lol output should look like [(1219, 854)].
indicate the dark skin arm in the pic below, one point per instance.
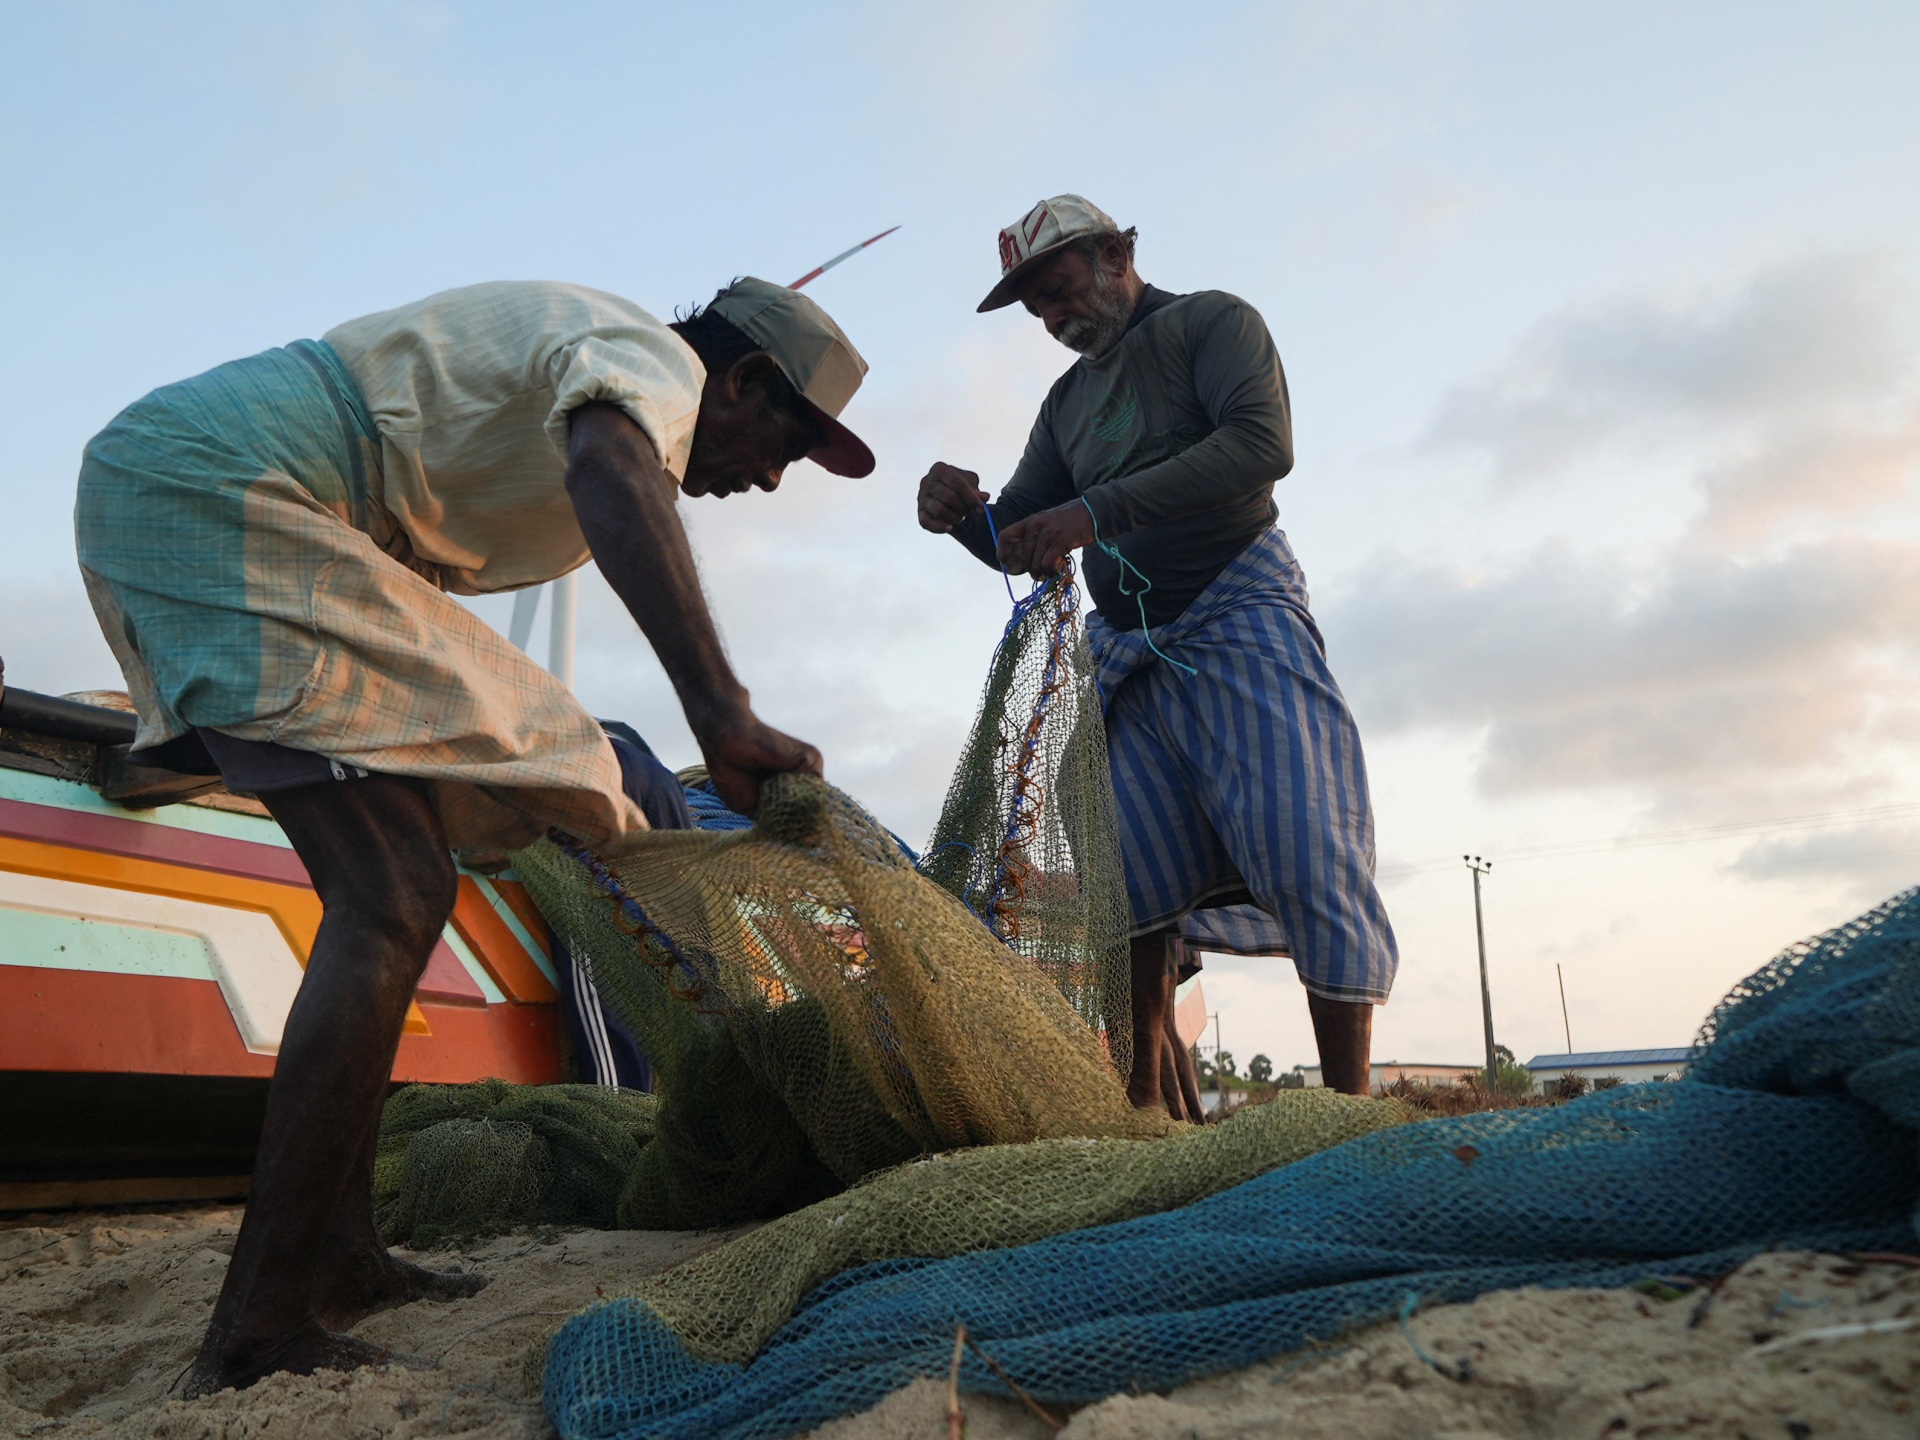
[(624, 499), (1037, 545)]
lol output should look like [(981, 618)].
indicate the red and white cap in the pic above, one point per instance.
[(1037, 234)]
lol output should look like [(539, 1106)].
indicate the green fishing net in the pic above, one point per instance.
[(1029, 836), (457, 1162), (816, 1004), (725, 1304)]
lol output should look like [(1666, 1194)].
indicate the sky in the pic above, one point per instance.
[(1601, 324)]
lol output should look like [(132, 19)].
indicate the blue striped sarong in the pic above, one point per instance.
[(1244, 782)]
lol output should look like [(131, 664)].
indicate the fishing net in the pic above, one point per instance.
[(1029, 836), (457, 1162), (726, 1304), (816, 1006), (1794, 1130)]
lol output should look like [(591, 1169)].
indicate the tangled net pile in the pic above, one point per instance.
[(816, 1007), (1794, 1130)]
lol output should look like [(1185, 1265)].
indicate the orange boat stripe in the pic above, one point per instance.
[(521, 903), (498, 948)]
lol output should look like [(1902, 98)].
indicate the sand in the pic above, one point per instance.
[(99, 1312)]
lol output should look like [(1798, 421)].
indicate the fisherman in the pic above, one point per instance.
[(1245, 823), (270, 549)]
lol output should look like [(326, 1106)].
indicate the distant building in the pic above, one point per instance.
[(1631, 1067), (1386, 1072)]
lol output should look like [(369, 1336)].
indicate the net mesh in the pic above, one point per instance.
[(457, 1162), (816, 1005), (1029, 836), (1794, 1130), (725, 1305)]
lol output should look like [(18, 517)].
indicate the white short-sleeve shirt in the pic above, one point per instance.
[(471, 390)]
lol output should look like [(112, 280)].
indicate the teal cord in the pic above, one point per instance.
[(1139, 596)]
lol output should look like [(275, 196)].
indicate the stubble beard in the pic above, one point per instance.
[(1095, 334)]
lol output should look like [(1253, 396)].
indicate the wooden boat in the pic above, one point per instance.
[(152, 933)]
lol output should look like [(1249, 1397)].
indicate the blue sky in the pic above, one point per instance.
[(1602, 326)]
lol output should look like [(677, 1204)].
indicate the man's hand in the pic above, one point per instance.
[(947, 496), (1040, 544), (744, 753)]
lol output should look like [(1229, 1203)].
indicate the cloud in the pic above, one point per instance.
[(1798, 390), (1870, 862), (1755, 655), (1586, 670)]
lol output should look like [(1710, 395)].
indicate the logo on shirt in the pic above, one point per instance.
[(1117, 421)]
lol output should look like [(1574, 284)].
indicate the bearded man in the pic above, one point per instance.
[(1245, 822), (269, 549)]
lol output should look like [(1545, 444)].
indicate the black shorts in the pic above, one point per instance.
[(249, 767)]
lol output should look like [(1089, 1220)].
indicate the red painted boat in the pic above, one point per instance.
[(152, 933)]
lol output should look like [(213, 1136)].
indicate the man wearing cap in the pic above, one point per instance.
[(270, 549), (1245, 822)]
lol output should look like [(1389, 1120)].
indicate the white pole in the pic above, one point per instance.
[(566, 613), (525, 606)]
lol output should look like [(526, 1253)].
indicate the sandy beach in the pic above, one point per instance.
[(99, 1313)]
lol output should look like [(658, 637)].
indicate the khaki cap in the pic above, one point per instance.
[(1037, 234), (812, 352)]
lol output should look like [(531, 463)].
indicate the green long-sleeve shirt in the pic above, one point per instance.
[(1175, 437)]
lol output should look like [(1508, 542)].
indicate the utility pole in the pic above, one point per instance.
[(1219, 1071), (1565, 1023), (1481, 867)]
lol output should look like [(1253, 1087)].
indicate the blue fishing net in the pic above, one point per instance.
[(1795, 1130)]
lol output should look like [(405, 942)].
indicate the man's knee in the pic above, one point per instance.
[(377, 856), (418, 901)]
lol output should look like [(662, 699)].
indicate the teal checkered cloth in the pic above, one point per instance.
[(249, 580)]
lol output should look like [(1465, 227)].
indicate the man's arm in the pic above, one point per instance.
[(952, 502), (625, 502)]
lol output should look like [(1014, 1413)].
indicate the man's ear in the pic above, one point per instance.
[(750, 374)]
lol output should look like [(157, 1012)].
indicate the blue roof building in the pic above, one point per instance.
[(1627, 1066)]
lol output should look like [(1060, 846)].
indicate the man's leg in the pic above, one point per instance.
[(1344, 1032), (357, 1275), (378, 858), (1152, 957), (1179, 1066)]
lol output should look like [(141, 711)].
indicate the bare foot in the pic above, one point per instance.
[(235, 1366), (356, 1286)]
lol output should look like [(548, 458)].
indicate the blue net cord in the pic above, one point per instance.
[(1023, 815), (1139, 597), (993, 530)]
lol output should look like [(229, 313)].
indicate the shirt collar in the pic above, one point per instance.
[(1151, 299)]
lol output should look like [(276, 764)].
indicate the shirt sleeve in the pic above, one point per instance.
[(1040, 481), (1239, 382), (655, 379)]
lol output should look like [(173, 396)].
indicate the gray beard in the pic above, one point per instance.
[(1099, 332)]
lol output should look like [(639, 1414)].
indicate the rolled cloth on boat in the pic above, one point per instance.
[(249, 580)]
